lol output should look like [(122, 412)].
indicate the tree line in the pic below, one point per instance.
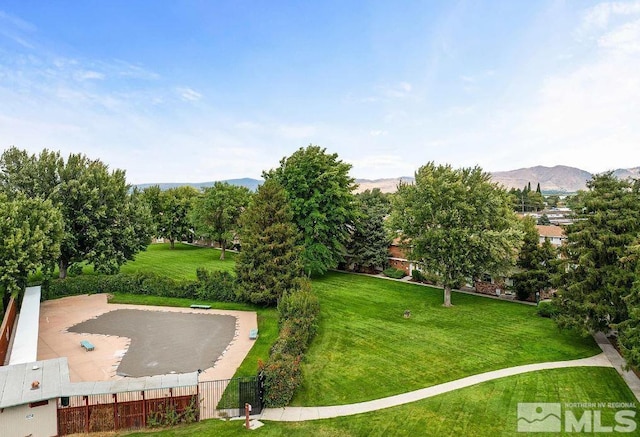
[(305, 220)]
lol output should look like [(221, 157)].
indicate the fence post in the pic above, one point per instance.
[(246, 414), (86, 414), (144, 411), (115, 412)]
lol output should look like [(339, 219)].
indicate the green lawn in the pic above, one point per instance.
[(179, 263), (365, 349), (488, 409)]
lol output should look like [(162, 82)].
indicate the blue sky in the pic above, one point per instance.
[(192, 91)]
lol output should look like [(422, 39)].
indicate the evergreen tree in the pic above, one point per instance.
[(594, 290), (270, 262), (369, 242), (536, 263)]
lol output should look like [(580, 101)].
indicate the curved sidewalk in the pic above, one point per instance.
[(295, 414)]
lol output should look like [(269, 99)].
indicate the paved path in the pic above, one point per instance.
[(619, 364), (293, 414)]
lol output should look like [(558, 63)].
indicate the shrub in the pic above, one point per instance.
[(298, 313), (417, 275), (302, 307), (281, 378), (548, 308), (138, 283), (72, 286), (216, 285), (394, 273)]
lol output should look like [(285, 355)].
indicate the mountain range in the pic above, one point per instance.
[(558, 179)]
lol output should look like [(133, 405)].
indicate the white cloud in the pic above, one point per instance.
[(88, 75), (396, 91), (14, 28), (372, 164), (599, 16), (588, 116), (625, 38), (458, 111), (377, 133), (188, 95), (16, 22), (296, 131)]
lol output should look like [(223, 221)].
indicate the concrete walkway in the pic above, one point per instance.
[(619, 364), (293, 414)]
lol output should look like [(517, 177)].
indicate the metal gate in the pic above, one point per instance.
[(227, 397)]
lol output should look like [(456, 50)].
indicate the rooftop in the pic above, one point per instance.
[(53, 376)]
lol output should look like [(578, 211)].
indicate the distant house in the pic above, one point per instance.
[(555, 234), (398, 258), (557, 216)]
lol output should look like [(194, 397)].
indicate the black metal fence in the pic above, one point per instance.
[(227, 397)]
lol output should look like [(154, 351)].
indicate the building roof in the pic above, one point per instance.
[(131, 384), (15, 381), (53, 376), (551, 231)]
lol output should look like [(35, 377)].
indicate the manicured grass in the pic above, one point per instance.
[(179, 263), (485, 410), (365, 349), (267, 323)]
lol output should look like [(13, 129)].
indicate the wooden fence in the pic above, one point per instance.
[(8, 323), (127, 411)]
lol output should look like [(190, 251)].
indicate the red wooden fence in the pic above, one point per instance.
[(8, 323)]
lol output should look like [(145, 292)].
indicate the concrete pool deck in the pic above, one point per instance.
[(58, 315)]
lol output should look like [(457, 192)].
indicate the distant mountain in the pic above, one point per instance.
[(623, 173), (557, 179), (385, 185), (251, 184), (560, 178)]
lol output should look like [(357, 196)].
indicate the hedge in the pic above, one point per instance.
[(216, 286), (394, 273), (298, 314)]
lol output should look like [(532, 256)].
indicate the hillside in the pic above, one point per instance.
[(251, 184), (557, 179)]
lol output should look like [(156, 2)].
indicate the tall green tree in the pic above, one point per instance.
[(526, 200), (369, 241), (216, 213), (153, 198), (629, 329), (536, 262), (270, 263), (552, 200), (30, 235), (171, 211), (319, 190), (104, 224), (457, 224), (598, 277)]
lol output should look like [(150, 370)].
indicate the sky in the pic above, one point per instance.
[(195, 91)]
